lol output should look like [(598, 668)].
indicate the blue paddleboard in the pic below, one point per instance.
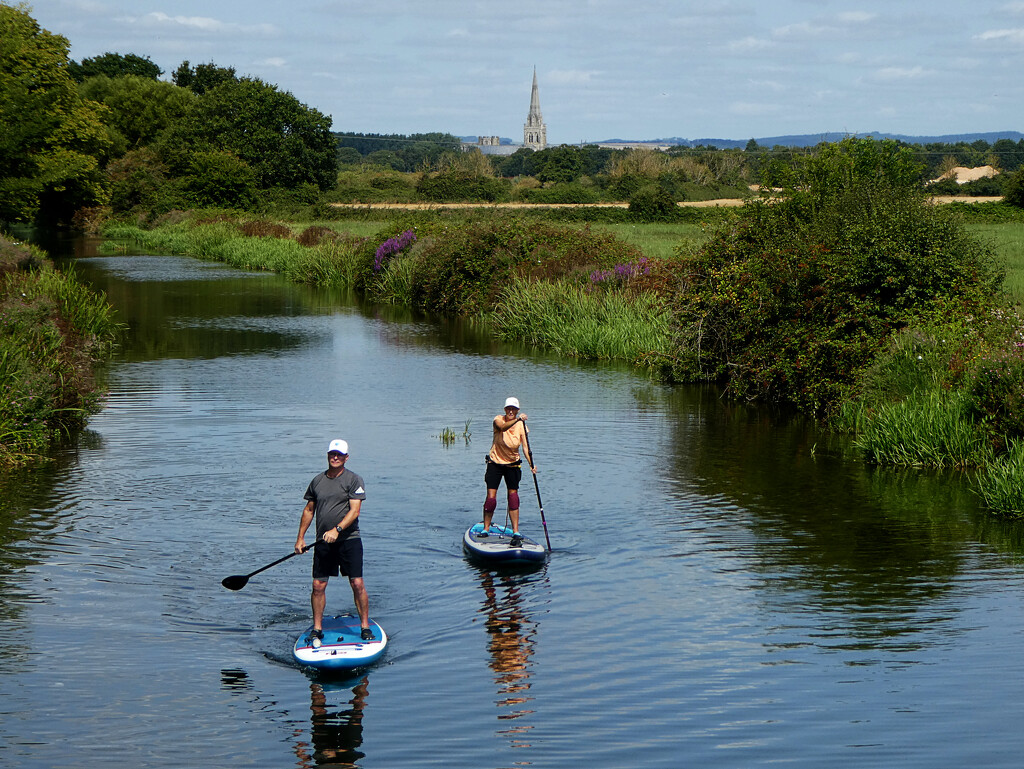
[(496, 547), (342, 647)]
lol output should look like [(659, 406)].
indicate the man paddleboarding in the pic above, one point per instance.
[(504, 462), (334, 498)]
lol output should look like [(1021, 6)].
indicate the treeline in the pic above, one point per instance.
[(84, 141), (106, 135)]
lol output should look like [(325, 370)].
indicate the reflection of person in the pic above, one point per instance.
[(504, 462), (335, 737), (335, 498), (511, 645)]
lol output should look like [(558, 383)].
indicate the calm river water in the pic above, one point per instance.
[(728, 588)]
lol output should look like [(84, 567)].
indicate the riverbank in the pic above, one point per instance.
[(584, 292), (54, 334)]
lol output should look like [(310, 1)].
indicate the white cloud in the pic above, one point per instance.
[(902, 73), (274, 61), (201, 23), (857, 17), (748, 44), (1009, 35)]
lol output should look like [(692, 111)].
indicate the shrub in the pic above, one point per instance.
[(797, 296), (458, 186), (1013, 189), (997, 396), (653, 203)]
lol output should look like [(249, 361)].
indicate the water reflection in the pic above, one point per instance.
[(512, 632), (336, 731)]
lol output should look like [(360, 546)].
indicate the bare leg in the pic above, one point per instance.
[(318, 600), (514, 517), (362, 600)]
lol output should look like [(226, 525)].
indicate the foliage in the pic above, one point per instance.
[(217, 178), (138, 108), (928, 429), (453, 186), (1013, 190), (1000, 483), (52, 139), (791, 301), (997, 394), (53, 332), (202, 77), (114, 65), (652, 203), (572, 320), (284, 142), (572, 192)]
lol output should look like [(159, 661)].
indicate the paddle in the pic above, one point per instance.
[(238, 581), (529, 453)]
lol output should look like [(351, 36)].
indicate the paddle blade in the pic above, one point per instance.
[(237, 582)]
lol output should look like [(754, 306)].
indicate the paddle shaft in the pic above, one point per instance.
[(239, 581), (533, 471)]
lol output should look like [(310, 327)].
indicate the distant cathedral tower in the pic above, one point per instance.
[(535, 133)]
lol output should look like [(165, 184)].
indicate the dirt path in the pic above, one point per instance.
[(717, 203)]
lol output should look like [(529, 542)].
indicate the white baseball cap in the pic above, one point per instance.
[(338, 445), (513, 402)]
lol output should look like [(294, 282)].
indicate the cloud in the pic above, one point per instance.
[(749, 44), (902, 73), (200, 23), (274, 61), (857, 17), (1008, 35)]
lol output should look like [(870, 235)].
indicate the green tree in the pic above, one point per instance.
[(283, 141), (115, 65), (51, 139), (202, 77), (138, 108), (559, 164)]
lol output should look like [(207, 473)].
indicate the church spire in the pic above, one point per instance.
[(535, 133)]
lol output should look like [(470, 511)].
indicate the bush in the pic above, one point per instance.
[(1013, 189), (997, 397), (793, 300), (457, 187), (653, 204)]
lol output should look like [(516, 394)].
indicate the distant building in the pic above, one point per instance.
[(535, 132)]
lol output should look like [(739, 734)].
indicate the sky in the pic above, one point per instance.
[(640, 70)]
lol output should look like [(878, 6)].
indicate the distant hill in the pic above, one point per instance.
[(810, 140)]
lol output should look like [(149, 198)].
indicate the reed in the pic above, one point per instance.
[(579, 322), (1000, 483), (53, 332), (933, 428)]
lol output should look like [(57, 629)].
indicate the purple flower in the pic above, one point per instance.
[(391, 248)]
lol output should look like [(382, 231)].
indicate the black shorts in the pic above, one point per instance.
[(512, 474), (344, 555)]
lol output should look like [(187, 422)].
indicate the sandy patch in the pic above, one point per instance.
[(964, 175)]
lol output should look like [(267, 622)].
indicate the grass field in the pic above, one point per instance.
[(1008, 242)]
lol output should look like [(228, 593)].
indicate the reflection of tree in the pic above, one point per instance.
[(335, 735), (855, 549), (511, 645)]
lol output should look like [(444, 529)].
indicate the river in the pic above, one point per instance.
[(728, 587)]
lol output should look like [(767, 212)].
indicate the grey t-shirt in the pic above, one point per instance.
[(331, 497)]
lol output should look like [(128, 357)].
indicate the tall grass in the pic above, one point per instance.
[(1000, 483), (928, 429), (574, 321), (53, 332), (330, 263)]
